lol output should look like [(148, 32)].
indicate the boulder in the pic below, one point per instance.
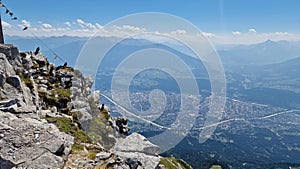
[(136, 146), (16, 106), (103, 156), (15, 81), (84, 116), (76, 104), (46, 160), (32, 143), (5, 66), (40, 59), (141, 143), (10, 92), (95, 96), (10, 51), (146, 161)]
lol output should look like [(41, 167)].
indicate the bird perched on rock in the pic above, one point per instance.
[(104, 109), (37, 50), (65, 65)]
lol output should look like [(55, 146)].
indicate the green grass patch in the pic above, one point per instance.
[(65, 125), (92, 155), (172, 163), (77, 147), (167, 163), (64, 94), (50, 100), (58, 97)]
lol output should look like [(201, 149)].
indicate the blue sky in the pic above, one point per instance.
[(217, 17)]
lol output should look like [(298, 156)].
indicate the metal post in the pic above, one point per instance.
[(1, 32)]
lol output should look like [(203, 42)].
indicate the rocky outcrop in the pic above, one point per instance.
[(51, 118), (136, 146), (5, 67), (9, 50), (28, 142)]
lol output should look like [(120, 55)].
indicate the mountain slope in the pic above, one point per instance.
[(267, 52)]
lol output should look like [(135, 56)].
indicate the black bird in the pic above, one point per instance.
[(65, 64), (7, 11), (14, 18), (37, 50), (11, 14), (102, 107), (25, 28)]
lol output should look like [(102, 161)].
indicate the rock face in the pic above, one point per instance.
[(136, 146), (31, 143), (26, 141), (10, 51)]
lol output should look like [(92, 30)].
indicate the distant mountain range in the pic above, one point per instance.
[(267, 52)]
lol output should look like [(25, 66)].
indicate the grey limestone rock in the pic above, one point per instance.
[(32, 143), (15, 81), (136, 146), (5, 67), (40, 59), (10, 51)]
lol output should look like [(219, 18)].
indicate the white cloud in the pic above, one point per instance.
[(25, 23), (122, 30), (63, 29), (6, 25), (236, 33), (46, 26), (133, 28), (68, 24), (80, 21), (282, 33), (98, 26), (87, 25), (179, 32), (252, 31), (208, 34)]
